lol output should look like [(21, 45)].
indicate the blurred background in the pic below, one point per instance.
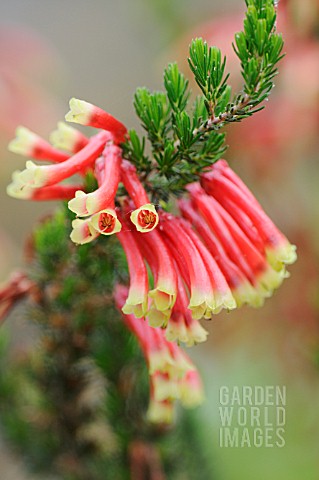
[(101, 51)]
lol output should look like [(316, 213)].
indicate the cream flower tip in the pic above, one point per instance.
[(64, 136), (197, 334), (78, 204), (80, 111), (160, 412), (31, 176), (192, 397), (226, 301), (34, 175), (284, 254), (82, 232), (165, 388), (176, 332), (246, 294), (163, 300), (24, 141), (145, 218), (160, 361), (157, 318), (139, 310), (136, 304), (17, 190)]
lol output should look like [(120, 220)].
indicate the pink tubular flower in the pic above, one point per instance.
[(54, 192), (181, 327), (242, 290), (222, 292), (222, 182), (137, 300), (145, 217), (252, 263), (85, 113), (163, 295), (202, 204), (202, 300), (45, 175), (172, 374), (30, 144), (85, 204)]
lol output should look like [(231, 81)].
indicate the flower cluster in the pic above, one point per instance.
[(220, 252), (172, 374)]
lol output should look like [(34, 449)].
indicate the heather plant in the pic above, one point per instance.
[(157, 234)]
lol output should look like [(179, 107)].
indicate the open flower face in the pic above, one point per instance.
[(106, 222), (145, 218)]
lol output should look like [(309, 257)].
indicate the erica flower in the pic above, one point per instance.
[(172, 374), (106, 222), (82, 231), (137, 299), (223, 183), (181, 326), (17, 189), (85, 204), (145, 217), (29, 144), (220, 252), (87, 114)]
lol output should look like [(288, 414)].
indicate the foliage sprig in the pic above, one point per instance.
[(185, 140)]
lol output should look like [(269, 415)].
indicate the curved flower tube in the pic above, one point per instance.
[(29, 144), (45, 175), (145, 217), (137, 299), (86, 113), (279, 251), (85, 204)]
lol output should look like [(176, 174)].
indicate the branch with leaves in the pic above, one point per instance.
[(185, 139)]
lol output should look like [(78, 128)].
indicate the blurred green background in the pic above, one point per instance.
[(101, 51)]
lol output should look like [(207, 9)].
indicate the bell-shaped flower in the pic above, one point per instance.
[(83, 232), (105, 222), (181, 327), (145, 217), (137, 299), (86, 113), (29, 144)]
